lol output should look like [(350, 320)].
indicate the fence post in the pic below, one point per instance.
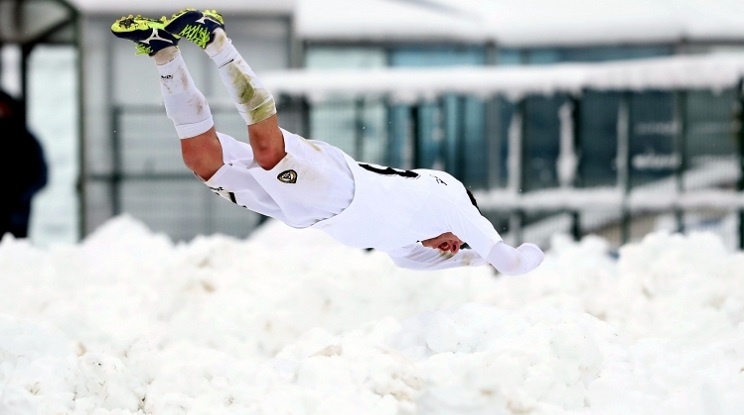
[(575, 103), (740, 183), (359, 128), (680, 143), (517, 138), (624, 123), (116, 161), (493, 143), (461, 137), (415, 113), (305, 118)]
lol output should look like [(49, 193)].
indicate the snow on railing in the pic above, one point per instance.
[(714, 72)]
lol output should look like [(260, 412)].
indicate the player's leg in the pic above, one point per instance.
[(303, 182), (253, 101), (185, 105)]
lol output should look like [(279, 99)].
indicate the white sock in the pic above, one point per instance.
[(253, 101), (185, 105)]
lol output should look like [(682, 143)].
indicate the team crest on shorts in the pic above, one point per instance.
[(287, 176)]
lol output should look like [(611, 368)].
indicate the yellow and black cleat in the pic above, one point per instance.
[(149, 35), (196, 26)]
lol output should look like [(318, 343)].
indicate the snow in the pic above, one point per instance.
[(506, 23), (290, 322), (161, 6), (516, 23), (380, 20), (715, 71), (525, 23), (703, 190)]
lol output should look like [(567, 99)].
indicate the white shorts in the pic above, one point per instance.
[(311, 183)]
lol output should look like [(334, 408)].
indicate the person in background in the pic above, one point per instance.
[(24, 168), (421, 218)]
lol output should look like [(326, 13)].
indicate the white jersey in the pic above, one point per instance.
[(393, 210), (311, 183), (366, 206)]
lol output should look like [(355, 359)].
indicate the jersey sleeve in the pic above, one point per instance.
[(478, 232), (466, 221), (416, 256)]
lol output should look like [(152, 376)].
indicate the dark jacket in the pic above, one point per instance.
[(23, 167)]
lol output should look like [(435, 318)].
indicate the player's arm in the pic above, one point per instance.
[(418, 257), (478, 232), (515, 261)]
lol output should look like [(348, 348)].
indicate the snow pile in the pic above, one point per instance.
[(289, 322)]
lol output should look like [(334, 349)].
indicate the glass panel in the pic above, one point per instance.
[(600, 54), (541, 56), (597, 131), (451, 131), (334, 123), (710, 141), (431, 148), (357, 128), (474, 161), (437, 56), (399, 149), (506, 111), (652, 136), (344, 58), (541, 142)]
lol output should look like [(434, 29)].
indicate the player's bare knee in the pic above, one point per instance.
[(267, 142), (191, 160), (198, 165), (268, 157), (203, 157)]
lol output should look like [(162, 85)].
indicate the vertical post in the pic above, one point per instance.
[(680, 144), (116, 161), (305, 119), (296, 50), (397, 150), (740, 183), (25, 55), (624, 123), (110, 102), (82, 184), (516, 162), (448, 125), (389, 132), (493, 143), (461, 137), (359, 128), (492, 126), (574, 160), (415, 133)]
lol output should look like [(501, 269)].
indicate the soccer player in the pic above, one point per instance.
[(420, 218)]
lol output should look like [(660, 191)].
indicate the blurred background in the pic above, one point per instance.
[(607, 117)]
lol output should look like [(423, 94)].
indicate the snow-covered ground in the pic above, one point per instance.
[(290, 322)]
